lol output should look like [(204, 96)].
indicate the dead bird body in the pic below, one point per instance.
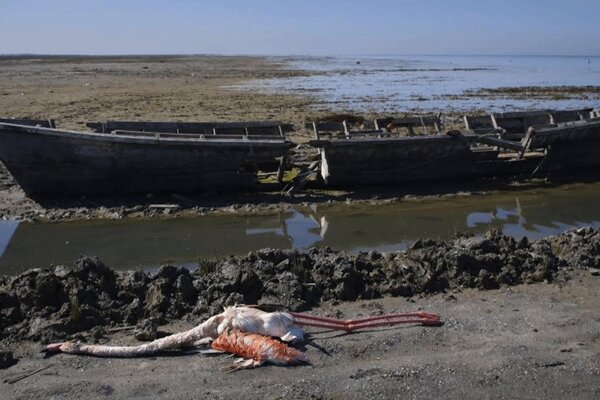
[(255, 350), (249, 333), (245, 319)]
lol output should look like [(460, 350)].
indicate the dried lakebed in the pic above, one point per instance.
[(83, 300)]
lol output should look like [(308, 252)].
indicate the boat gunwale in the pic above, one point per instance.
[(541, 129), (135, 139), (383, 141)]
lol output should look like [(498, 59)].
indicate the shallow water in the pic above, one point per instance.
[(149, 243), (430, 83)]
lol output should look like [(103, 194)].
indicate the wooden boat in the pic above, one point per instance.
[(46, 161), (363, 157)]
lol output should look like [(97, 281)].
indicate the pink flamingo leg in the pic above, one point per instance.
[(350, 325)]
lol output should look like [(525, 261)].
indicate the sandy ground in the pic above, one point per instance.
[(528, 341), (76, 90)]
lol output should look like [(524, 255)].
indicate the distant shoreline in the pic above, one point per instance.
[(186, 55)]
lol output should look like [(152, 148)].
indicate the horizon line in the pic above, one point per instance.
[(289, 55)]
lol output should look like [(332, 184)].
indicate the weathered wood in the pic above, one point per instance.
[(281, 169), (331, 129), (526, 143), (494, 141), (326, 126), (367, 133), (399, 159), (519, 122), (353, 162), (568, 133), (561, 116), (270, 127), (479, 123), (524, 114), (265, 130), (64, 163), (315, 130), (423, 121), (44, 123), (230, 131), (217, 136)]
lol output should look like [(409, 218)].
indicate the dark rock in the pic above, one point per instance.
[(7, 359), (146, 330)]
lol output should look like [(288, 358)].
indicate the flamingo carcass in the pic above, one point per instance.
[(286, 326)]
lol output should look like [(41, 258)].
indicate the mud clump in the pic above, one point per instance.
[(54, 304), (7, 359)]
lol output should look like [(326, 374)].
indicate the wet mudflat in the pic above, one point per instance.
[(147, 244), (388, 83)]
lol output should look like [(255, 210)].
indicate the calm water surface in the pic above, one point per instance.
[(431, 83), (149, 243)]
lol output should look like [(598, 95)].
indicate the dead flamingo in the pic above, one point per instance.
[(249, 320), (254, 350), (245, 319)]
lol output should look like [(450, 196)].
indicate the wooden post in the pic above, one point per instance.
[(280, 171), (493, 116), (346, 131), (425, 130), (316, 130), (527, 141)]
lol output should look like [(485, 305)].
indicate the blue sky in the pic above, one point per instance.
[(300, 27)]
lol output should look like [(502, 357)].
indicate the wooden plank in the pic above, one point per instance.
[(44, 123), (184, 127), (372, 133), (230, 131), (240, 136), (411, 122), (515, 123), (561, 116), (315, 130), (494, 141), (527, 141), (346, 130), (328, 126), (281, 169), (265, 130), (478, 123), (524, 114)]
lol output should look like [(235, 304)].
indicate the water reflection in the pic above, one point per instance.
[(127, 244)]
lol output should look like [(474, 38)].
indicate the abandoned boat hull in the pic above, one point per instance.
[(379, 161), (412, 159), (51, 162), (569, 145)]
